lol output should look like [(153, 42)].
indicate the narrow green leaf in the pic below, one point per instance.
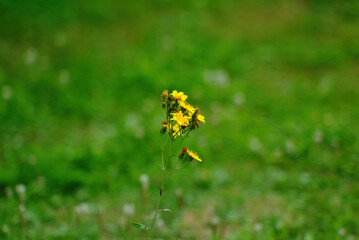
[(165, 210), (140, 226)]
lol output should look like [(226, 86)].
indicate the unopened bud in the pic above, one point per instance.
[(164, 95), (164, 127), (183, 152)]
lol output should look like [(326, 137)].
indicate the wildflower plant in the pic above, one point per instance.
[(181, 119)]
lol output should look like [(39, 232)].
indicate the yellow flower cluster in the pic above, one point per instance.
[(181, 117)]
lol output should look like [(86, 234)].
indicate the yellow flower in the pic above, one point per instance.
[(179, 96), (180, 119), (188, 107), (176, 131), (194, 155), (201, 118)]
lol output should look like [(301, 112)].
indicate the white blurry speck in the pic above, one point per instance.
[(144, 179), (60, 39), (160, 223), (133, 124), (318, 136), (129, 209), (82, 208), (5, 228), (304, 178), (342, 232), (308, 236), (290, 146), (20, 189), (64, 77), (325, 84), (22, 208), (216, 78), (257, 227), (6, 92), (255, 145), (147, 105), (277, 153), (279, 225), (238, 99), (31, 56), (214, 221), (179, 192)]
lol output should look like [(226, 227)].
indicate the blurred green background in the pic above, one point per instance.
[(80, 117)]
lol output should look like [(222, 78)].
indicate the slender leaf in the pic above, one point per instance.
[(140, 226)]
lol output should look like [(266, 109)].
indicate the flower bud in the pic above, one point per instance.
[(164, 127), (165, 95), (183, 152)]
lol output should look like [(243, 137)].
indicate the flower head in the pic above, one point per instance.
[(176, 131), (188, 107), (181, 119), (201, 118), (193, 155), (179, 96)]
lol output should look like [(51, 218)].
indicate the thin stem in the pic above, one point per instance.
[(161, 190)]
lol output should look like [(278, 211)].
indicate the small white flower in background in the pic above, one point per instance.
[(179, 192), (304, 178), (279, 225), (160, 223), (238, 99), (257, 227), (31, 56), (144, 180), (5, 228), (342, 232), (22, 208), (64, 77), (6, 92), (129, 209), (216, 77), (318, 136), (20, 189), (133, 123), (277, 153), (214, 221), (290, 146), (255, 145), (82, 208)]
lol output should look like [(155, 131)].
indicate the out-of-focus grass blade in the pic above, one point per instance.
[(140, 226)]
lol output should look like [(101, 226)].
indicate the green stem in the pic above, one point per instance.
[(161, 191)]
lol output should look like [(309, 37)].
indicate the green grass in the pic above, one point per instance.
[(80, 117)]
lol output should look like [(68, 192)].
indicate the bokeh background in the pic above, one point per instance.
[(80, 116)]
